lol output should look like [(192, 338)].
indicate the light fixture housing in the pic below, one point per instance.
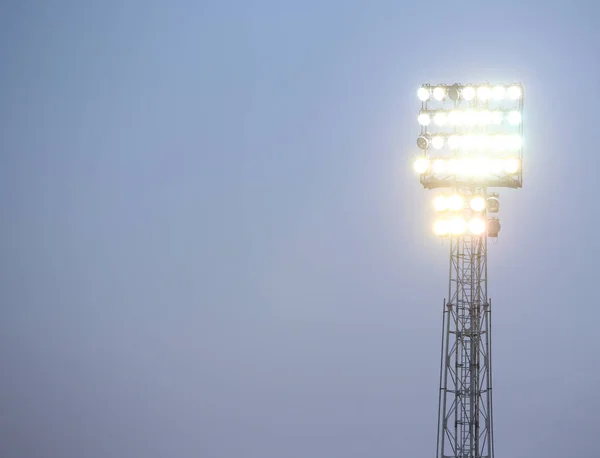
[(493, 227), (493, 204), (424, 140)]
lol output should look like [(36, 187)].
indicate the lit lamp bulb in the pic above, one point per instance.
[(421, 165), (484, 93), (498, 93), (496, 117), (440, 119), (514, 142), (455, 118), (514, 92), (437, 142), (423, 94), (470, 117), (424, 119), (511, 166), (455, 203), (477, 226), (485, 118), (454, 142), (477, 204), (458, 226), (439, 166), (439, 93), (468, 93), (440, 203)]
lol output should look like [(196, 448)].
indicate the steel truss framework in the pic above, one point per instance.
[(465, 425)]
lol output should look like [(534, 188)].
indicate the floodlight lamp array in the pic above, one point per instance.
[(464, 215), (470, 92), (498, 143), (458, 225), (478, 137)]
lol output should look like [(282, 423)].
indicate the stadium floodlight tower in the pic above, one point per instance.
[(470, 141)]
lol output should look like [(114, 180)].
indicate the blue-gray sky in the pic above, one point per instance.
[(213, 244)]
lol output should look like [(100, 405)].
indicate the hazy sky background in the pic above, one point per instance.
[(213, 244)]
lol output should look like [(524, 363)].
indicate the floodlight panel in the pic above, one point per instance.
[(475, 132)]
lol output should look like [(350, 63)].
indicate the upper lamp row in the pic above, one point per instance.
[(468, 93)]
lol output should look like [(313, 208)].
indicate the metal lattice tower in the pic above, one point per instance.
[(465, 426), (471, 140)]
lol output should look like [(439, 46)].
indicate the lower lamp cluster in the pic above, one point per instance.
[(460, 215)]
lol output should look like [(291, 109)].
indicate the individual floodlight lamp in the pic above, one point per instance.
[(493, 204), (437, 142), (493, 227), (440, 119), (468, 93), (477, 203), (496, 117), (511, 166), (455, 203), (515, 92), (454, 92), (424, 140), (440, 203), (423, 94), (439, 93), (454, 142), (477, 226), (424, 119), (484, 93), (498, 93), (514, 118), (421, 165), (458, 226)]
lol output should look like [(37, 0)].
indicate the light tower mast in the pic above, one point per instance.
[(477, 145)]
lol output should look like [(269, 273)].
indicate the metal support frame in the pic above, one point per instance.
[(465, 425)]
